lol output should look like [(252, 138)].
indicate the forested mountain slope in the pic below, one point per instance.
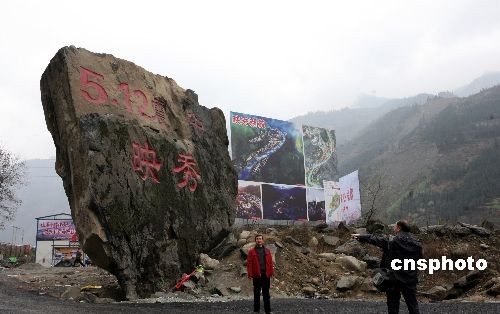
[(439, 160)]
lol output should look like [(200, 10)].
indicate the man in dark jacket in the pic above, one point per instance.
[(260, 268), (402, 246)]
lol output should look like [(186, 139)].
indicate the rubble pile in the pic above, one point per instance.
[(316, 262)]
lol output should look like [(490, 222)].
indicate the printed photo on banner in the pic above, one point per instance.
[(267, 150), (284, 202), (320, 156), (249, 200), (332, 201), (316, 205), (349, 197)]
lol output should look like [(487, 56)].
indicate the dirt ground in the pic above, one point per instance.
[(294, 270)]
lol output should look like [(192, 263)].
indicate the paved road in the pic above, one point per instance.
[(14, 300)]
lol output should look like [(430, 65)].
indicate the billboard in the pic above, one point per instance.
[(319, 155), (343, 199), (281, 168), (316, 205), (54, 229), (267, 150), (332, 201), (249, 200), (350, 197), (284, 202)]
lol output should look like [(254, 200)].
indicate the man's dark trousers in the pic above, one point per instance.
[(263, 284), (410, 296)]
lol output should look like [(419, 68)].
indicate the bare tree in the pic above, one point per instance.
[(375, 190), (11, 177)]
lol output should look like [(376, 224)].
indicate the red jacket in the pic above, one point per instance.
[(253, 265)]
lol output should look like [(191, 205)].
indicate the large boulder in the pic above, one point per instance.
[(208, 262), (465, 283), (146, 169), (353, 248), (374, 226), (436, 293), (347, 282), (331, 240), (351, 263), (477, 230), (225, 248), (327, 256), (439, 230)]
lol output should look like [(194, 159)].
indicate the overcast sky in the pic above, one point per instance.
[(276, 59)]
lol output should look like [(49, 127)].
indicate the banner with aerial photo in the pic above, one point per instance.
[(249, 200), (332, 202), (320, 156), (316, 205), (267, 150), (283, 202)]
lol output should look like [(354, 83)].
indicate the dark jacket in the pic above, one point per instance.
[(402, 246), (253, 265)]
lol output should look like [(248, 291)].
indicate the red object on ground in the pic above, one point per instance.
[(186, 277)]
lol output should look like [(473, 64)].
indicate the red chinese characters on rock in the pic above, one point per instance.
[(90, 86), (251, 122), (190, 173), (144, 161)]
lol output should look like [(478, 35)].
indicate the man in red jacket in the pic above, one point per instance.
[(260, 268)]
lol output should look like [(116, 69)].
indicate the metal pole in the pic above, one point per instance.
[(12, 237), (15, 234), (11, 241), (36, 239)]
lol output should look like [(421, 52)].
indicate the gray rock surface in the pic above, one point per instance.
[(367, 285), (436, 292), (313, 242), (347, 282), (331, 240), (371, 261), (244, 234), (208, 262), (477, 230), (292, 240), (439, 230), (351, 263), (309, 291), (327, 256), (352, 248), (146, 169), (460, 231)]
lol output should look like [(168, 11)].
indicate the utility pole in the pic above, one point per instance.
[(15, 234), (14, 229)]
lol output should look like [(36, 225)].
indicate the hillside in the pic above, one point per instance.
[(348, 122), (439, 160), (486, 80)]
